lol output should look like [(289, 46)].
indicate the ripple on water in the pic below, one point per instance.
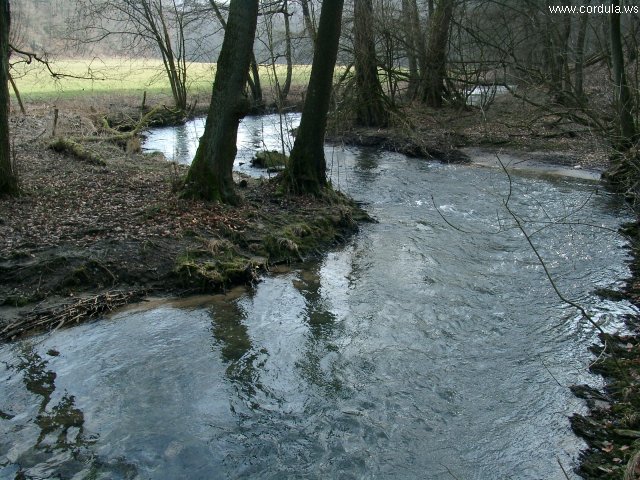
[(419, 350)]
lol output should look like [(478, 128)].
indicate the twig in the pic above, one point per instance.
[(562, 468)]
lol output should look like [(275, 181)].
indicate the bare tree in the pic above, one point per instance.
[(8, 180), (158, 24), (371, 108), (307, 170), (433, 76), (210, 175)]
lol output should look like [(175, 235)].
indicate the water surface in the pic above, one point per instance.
[(423, 348)]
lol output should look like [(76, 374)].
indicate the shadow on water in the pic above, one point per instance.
[(61, 425), (232, 338), (366, 164), (58, 446), (321, 322)]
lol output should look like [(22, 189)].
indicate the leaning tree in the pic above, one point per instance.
[(210, 175), (307, 169)]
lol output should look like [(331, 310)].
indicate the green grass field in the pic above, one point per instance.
[(124, 76)]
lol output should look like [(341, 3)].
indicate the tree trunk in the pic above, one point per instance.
[(432, 79), (411, 49), (578, 84), (253, 79), (307, 170), (371, 110), (210, 175), (254, 82), (8, 180), (627, 132), (288, 53)]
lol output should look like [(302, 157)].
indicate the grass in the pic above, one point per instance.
[(127, 76)]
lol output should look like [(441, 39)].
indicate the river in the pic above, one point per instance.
[(431, 346)]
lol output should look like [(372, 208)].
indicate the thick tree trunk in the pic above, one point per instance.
[(254, 78), (411, 50), (8, 180), (627, 131), (371, 110), (210, 175), (432, 78), (307, 170)]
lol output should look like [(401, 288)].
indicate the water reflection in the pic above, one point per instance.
[(232, 339), (316, 362), (56, 426), (264, 132), (415, 351), (366, 164)]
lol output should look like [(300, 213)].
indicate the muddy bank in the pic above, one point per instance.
[(82, 230)]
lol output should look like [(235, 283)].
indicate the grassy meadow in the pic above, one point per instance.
[(125, 76)]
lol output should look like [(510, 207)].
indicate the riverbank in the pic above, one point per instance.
[(612, 427), (91, 234)]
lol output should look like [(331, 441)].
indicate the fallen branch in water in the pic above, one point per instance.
[(82, 310)]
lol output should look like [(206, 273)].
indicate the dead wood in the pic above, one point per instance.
[(73, 148), (81, 310)]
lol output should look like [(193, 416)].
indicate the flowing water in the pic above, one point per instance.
[(431, 346)]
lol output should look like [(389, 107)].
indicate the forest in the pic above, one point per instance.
[(319, 238)]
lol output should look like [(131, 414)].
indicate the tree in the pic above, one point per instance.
[(8, 180), (158, 24), (371, 109), (627, 132), (254, 79), (210, 175), (414, 45), (307, 169), (433, 76)]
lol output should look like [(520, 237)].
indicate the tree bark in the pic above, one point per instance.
[(307, 170), (253, 79), (371, 110), (210, 175), (432, 78), (627, 131), (411, 49), (578, 84), (8, 180)]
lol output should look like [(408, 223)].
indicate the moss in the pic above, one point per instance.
[(69, 147), (269, 159), (214, 268), (16, 301)]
